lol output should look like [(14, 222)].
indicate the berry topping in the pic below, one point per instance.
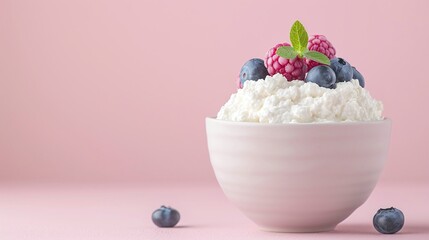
[(388, 220), (357, 75), (254, 69), (323, 76), (343, 70), (296, 60), (291, 69), (320, 44), (165, 217), (290, 60)]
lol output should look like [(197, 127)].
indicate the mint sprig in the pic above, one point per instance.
[(299, 40), (298, 37), (318, 57), (287, 51)]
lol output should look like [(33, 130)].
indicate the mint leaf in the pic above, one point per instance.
[(318, 57), (287, 52), (305, 51), (298, 37)]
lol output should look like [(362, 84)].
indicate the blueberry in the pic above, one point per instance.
[(343, 70), (358, 76), (388, 220), (254, 69), (322, 75), (165, 217)]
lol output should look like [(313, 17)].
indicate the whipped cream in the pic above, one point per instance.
[(276, 100)]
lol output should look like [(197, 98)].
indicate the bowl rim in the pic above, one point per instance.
[(385, 120)]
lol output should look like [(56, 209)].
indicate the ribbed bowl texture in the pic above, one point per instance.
[(297, 177)]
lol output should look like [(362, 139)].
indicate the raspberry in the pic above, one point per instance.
[(291, 69), (320, 44)]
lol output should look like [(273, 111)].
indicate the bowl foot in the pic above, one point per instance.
[(298, 230)]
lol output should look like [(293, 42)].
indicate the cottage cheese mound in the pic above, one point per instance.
[(275, 100)]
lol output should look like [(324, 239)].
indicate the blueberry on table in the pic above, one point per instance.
[(165, 217), (254, 69), (388, 220), (322, 75), (343, 70)]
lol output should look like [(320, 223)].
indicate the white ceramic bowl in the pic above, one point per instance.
[(297, 177)]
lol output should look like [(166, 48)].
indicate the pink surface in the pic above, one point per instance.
[(123, 212), (110, 91)]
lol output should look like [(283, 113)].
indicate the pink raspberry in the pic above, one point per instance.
[(291, 69), (320, 44)]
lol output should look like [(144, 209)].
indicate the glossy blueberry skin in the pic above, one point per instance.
[(343, 70), (357, 75), (254, 69), (165, 217), (322, 75), (388, 220)]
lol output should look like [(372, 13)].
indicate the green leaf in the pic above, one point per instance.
[(305, 51), (318, 57), (287, 52), (298, 37)]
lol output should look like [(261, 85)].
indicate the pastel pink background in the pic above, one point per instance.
[(117, 91), (102, 107)]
